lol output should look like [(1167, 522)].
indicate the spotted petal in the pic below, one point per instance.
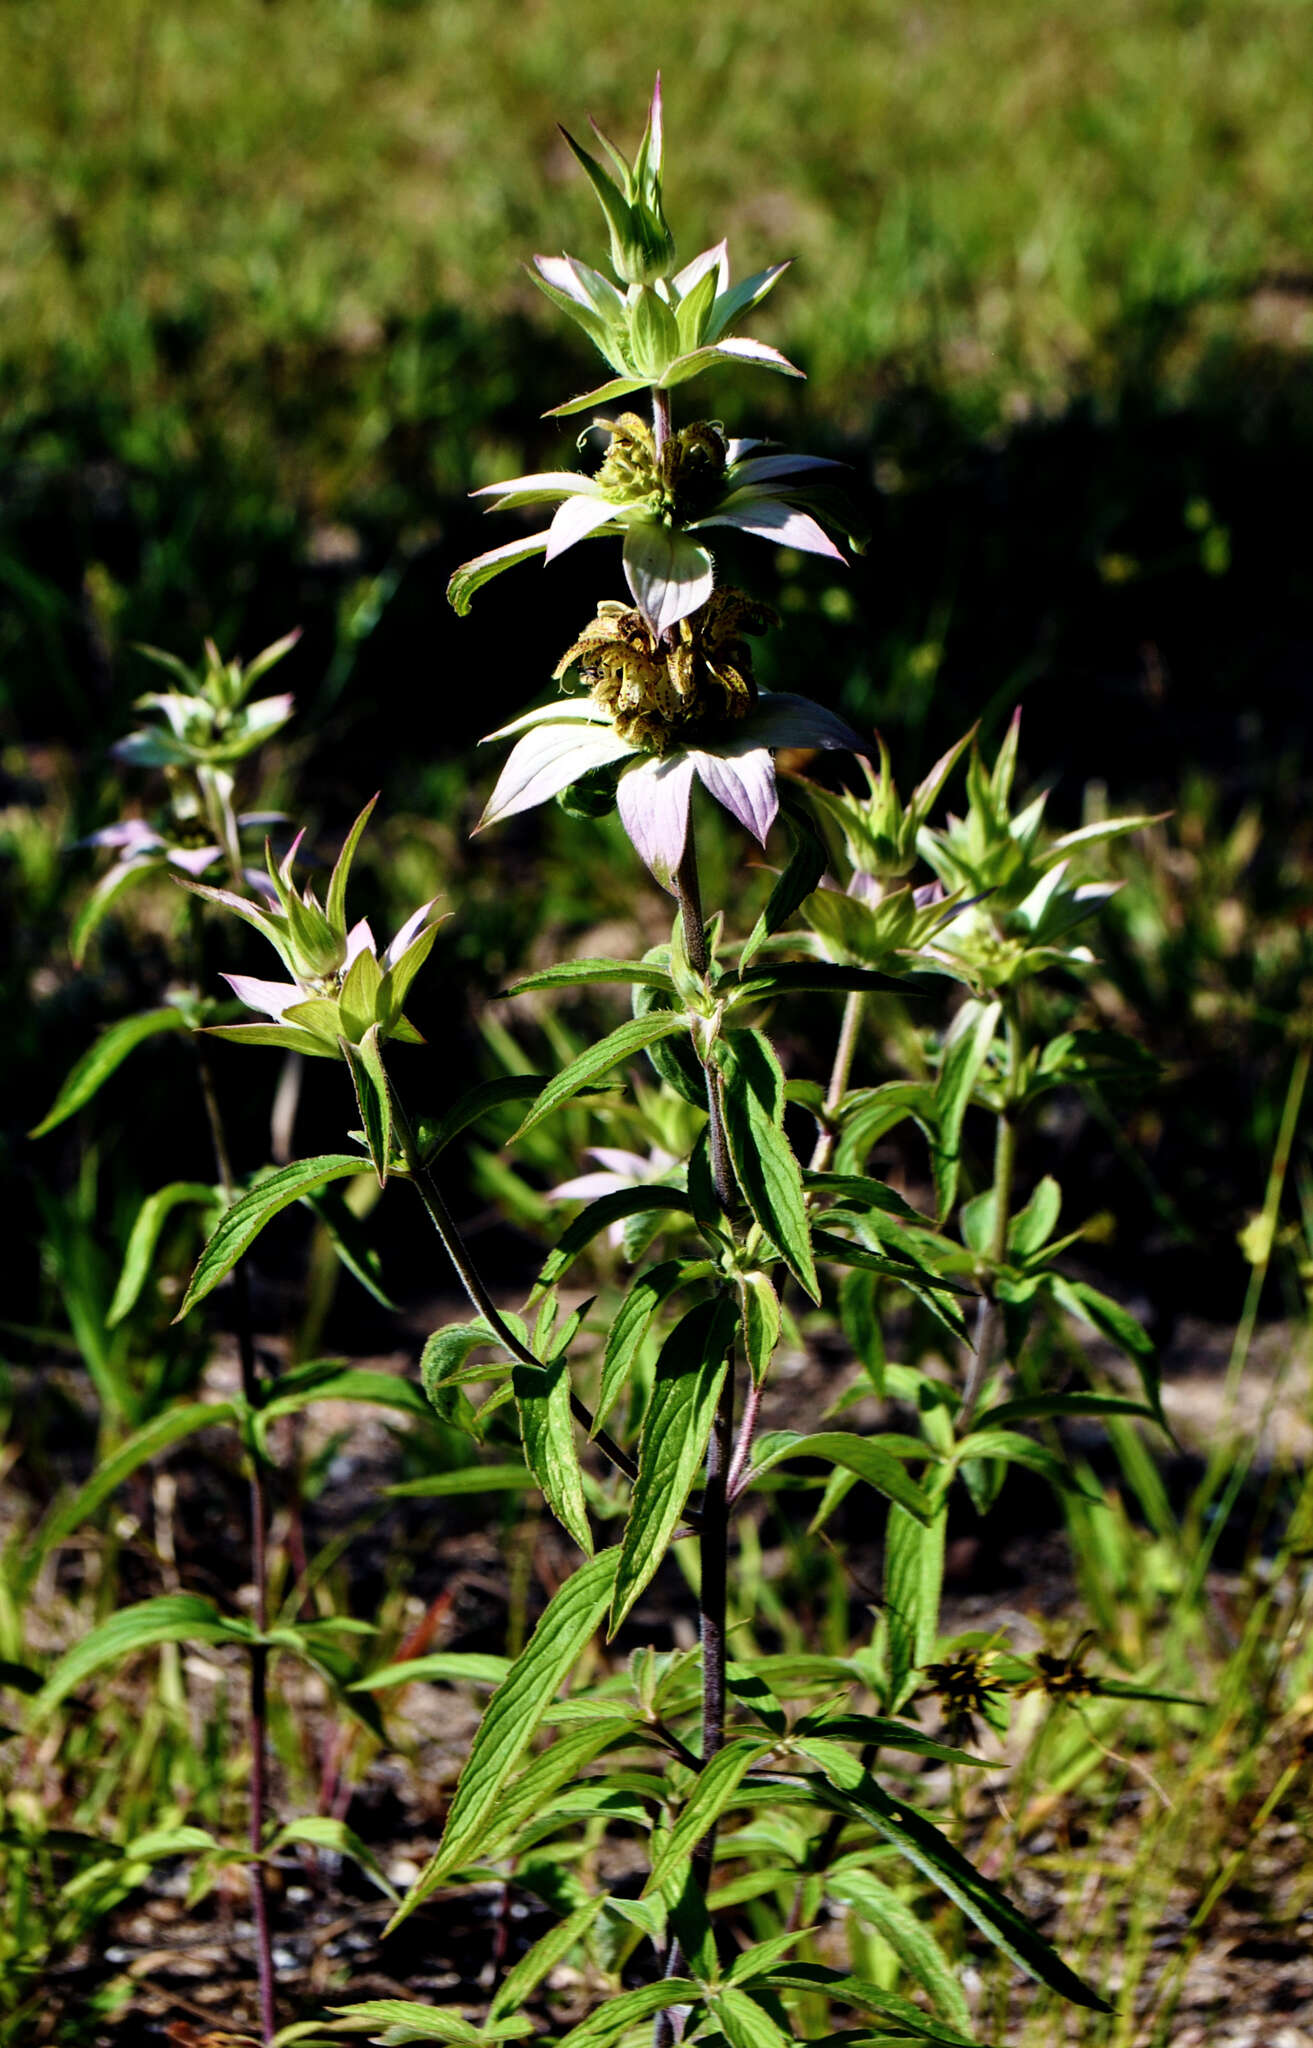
[(653, 798), (548, 759)]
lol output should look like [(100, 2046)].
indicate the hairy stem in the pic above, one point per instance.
[(823, 1151), (660, 420)]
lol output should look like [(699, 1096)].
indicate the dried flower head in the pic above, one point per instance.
[(657, 691)]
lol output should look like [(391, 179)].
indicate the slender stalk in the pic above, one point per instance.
[(258, 1668), (989, 1316), (849, 1031), (467, 1273), (660, 421)]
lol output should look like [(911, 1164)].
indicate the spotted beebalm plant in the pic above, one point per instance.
[(715, 1829)]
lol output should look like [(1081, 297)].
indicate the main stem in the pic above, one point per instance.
[(258, 1690), (714, 1520), (989, 1316), (823, 1151)]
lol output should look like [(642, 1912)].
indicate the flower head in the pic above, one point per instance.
[(659, 716), (340, 987), (660, 501)]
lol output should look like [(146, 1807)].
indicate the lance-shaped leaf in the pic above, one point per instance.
[(965, 1054), (851, 1790), (1015, 1449), (818, 1979), (404, 2020), (807, 863), (471, 576), (765, 1165), (649, 1199), (520, 1982), (877, 1460), (743, 2022), (172, 1618), (689, 1376), (632, 1321), (514, 1712), (150, 1221), (615, 2016), (542, 1396), (913, 1580), (242, 1224), (620, 1044), (97, 1064), (155, 1437), (759, 1306), (373, 1093), (586, 973), (712, 1791), (885, 1909)]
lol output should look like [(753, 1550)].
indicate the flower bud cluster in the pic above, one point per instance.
[(660, 692), (341, 989)]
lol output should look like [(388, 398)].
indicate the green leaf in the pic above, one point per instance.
[(885, 1733), (860, 1188), (600, 1215), (601, 394), (881, 1907), (807, 863), (110, 1050), (436, 1135), (455, 1667), (373, 1093), (329, 1381), (869, 1457), (712, 1791), (242, 1224), (335, 900), (347, 1234), (793, 978), (615, 2016), (516, 1708), (172, 1618), (913, 1582), (1032, 1227), (443, 1362), (856, 1793), (520, 1982), (871, 1112), (96, 907), (845, 1990), (542, 1396), (156, 1436), (966, 1050), (585, 973), (632, 1321), (1120, 1327), (322, 1832), (1015, 1449), (744, 2023), (465, 1479), (407, 2021), (759, 1306), (523, 1803), (471, 576), (689, 1375), (1031, 1407), (618, 1045), (764, 1163)]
